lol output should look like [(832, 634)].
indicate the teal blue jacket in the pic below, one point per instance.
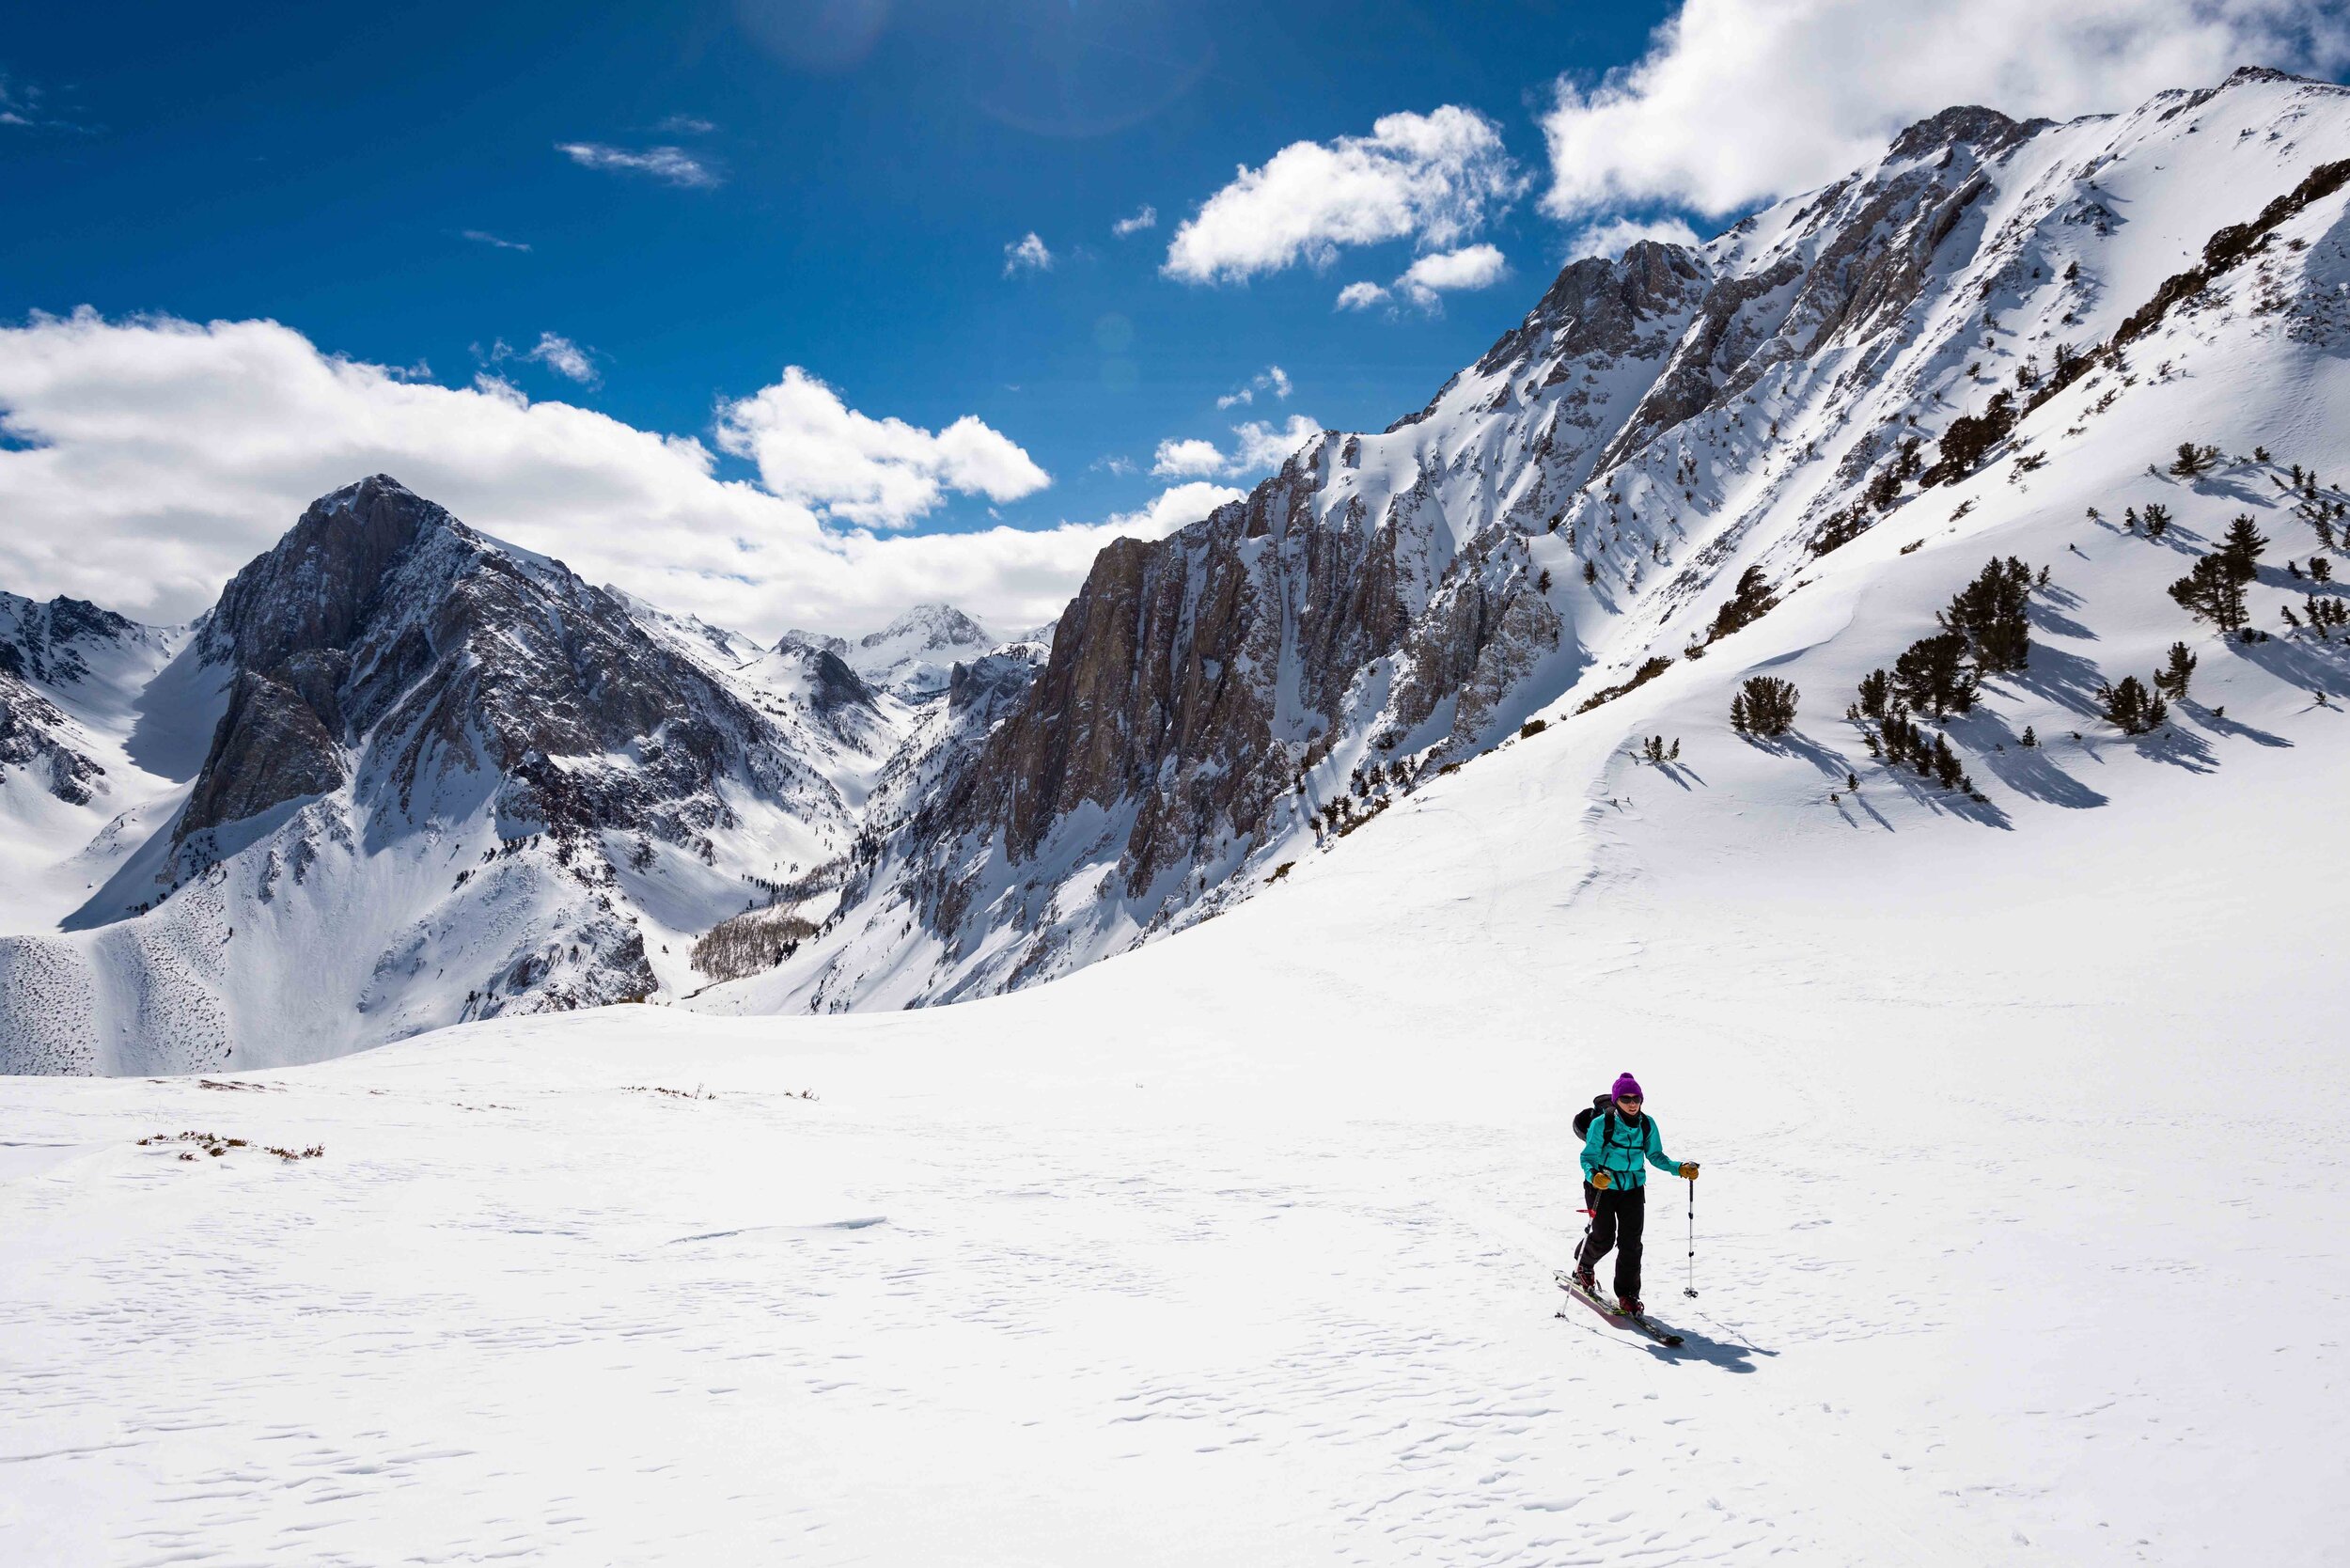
[(1618, 1150)]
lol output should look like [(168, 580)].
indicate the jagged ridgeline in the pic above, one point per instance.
[(404, 774)]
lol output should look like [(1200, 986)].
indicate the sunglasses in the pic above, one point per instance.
[(1628, 1100)]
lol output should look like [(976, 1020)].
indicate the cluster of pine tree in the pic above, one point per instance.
[(1987, 630), (1900, 740), (1654, 752), (2131, 708), (1764, 706), (2324, 615)]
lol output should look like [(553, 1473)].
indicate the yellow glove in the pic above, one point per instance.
[(1689, 1169), (1601, 1179)]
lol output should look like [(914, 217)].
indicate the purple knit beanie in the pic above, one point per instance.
[(1627, 1087)]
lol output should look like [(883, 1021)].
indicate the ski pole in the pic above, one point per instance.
[(1691, 1288)]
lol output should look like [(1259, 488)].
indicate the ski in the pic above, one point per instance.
[(1646, 1325)]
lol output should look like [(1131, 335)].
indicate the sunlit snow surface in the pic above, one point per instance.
[(2021, 1240)]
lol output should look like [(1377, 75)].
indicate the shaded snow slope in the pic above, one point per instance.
[(1239, 1247)]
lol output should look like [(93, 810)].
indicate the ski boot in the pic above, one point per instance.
[(1585, 1282), (1630, 1307)]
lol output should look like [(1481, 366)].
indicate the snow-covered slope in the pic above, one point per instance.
[(74, 681), (1581, 504)]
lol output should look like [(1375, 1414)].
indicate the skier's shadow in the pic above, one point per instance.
[(1729, 1355)]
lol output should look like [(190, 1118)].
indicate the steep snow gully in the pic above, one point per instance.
[(2024, 1231)]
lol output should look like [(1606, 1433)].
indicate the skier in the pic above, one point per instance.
[(1615, 1181)]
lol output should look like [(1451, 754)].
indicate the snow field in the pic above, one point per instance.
[(1239, 1247)]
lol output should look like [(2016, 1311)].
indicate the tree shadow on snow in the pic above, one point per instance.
[(2026, 770), (1924, 792), (2047, 619), (2064, 679), (2228, 726), (2312, 666)]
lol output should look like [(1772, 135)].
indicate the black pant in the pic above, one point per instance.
[(1618, 1215)]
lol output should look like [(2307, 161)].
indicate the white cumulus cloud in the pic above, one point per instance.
[(1026, 254), (1737, 101), (1194, 456), (1272, 378), (1429, 278), (564, 358), (1613, 238), (1257, 446), (147, 459), (1434, 179), (671, 165), (1147, 218), (813, 449)]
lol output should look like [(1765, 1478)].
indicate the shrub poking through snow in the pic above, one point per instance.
[(2157, 520), (2193, 461), (1764, 706), (1649, 669), (2131, 708)]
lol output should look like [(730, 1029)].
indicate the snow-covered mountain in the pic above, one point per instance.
[(1858, 397), (445, 779), (913, 657)]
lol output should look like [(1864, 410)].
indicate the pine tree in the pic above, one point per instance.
[(1591, 571), (2157, 519), (1946, 769), (1993, 614), (2131, 708), (1932, 676), (2241, 549), (1852, 781), (1875, 688), (1765, 706), (2212, 592), (2321, 569), (2173, 678), (2030, 739)]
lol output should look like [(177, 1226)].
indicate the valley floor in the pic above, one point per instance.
[(2024, 1234)]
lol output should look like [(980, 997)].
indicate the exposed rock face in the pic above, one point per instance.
[(32, 738)]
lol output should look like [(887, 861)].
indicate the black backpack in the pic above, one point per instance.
[(1583, 1118)]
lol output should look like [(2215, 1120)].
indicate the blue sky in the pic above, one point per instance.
[(322, 165), (724, 302)]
